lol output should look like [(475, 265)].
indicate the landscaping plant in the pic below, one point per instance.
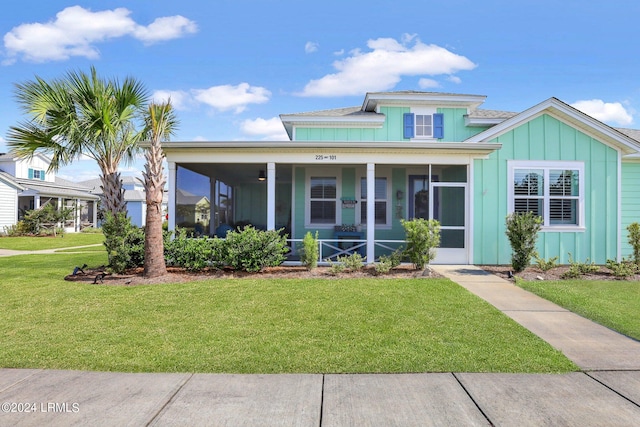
[(310, 251), (124, 242), (252, 250), (423, 237), (522, 232), (634, 241)]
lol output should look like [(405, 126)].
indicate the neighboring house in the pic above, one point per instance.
[(26, 185), (134, 196), (193, 211), (426, 155)]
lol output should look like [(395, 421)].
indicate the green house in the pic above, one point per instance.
[(352, 174)]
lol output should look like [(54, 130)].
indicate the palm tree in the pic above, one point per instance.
[(81, 115), (160, 123)]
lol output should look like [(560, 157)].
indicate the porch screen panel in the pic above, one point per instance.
[(380, 201), (322, 206), (528, 189)]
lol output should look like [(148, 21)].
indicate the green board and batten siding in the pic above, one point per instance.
[(546, 138), (630, 202)]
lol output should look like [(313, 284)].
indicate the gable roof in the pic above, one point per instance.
[(10, 180), (568, 114), (59, 188)]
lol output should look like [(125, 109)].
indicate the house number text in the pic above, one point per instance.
[(322, 157)]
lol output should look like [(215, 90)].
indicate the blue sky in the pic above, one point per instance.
[(231, 67)]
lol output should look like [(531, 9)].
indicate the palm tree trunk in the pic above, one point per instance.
[(154, 263), (112, 193)]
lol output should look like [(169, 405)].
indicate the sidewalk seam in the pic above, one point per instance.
[(171, 399), (613, 390), (472, 399), (321, 401)]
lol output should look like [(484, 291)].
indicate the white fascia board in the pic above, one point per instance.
[(361, 121), (481, 122), (371, 100), (563, 112)]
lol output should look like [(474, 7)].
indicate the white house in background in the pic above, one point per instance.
[(134, 196), (25, 184)]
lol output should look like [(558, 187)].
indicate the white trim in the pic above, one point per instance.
[(271, 196), (371, 213), (546, 166), (171, 203), (373, 99), (619, 219), (470, 211)]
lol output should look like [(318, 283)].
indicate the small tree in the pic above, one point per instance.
[(124, 242), (634, 241), (522, 231), (310, 251), (423, 237), (37, 220)]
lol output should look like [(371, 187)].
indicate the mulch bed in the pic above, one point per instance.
[(535, 273), (98, 276)]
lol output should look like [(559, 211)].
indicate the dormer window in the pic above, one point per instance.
[(423, 126), (36, 174)]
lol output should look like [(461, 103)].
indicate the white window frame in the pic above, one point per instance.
[(422, 112), (388, 200), (322, 172), (547, 166)]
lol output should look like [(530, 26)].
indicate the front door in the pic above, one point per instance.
[(445, 202)]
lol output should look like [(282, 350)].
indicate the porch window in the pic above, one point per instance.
[(552, 190), (323, 195), (380, 201)]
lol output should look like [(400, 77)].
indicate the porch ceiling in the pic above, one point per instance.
[(236, 173)]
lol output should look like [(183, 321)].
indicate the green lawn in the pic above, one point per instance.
[(37, 243), (255, 325), (613, 303)]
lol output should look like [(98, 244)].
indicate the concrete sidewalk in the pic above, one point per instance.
[(68, 398), (11, 252)]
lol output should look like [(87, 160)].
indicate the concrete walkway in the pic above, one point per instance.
[(11, 252), (607, 393)]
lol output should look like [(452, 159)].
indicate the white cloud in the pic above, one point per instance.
[(75, 31), (228, 97), (427, 83), (265, 129), (454, 79), (384, 66), (608, 112), (339, 52), (310, 47), (180, 100)]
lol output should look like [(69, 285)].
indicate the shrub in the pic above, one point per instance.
[(423, 237), (336, 268), (310, 251), (634, 241), (546, 265), (19, 229), (578, 269), (193, 254), (622, 270), (252, 250), (522, 232), (124, 242), (383, 266), (353, 262), (91, 230), (45, 219)]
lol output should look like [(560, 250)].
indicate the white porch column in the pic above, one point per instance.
[(371, 212), (95, 214), (271, 196), (171, 208), (60, 207), (36, 201)]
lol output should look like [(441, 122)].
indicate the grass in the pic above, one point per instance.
[(612, 303), (255, 325), (37, 243)]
